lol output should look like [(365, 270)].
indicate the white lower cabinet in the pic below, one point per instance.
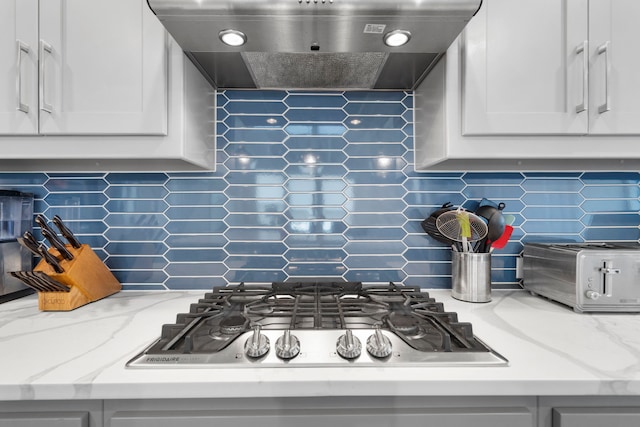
[(364, 411), (323, 412), (596, 417), (72, 413)]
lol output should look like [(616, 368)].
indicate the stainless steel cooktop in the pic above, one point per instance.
[(316, 323)]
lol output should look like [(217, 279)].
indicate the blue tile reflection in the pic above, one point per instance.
[(374, 109), (196, 255), (315, 143), (63, 199), (136, 192), (256, 262), (135, 234), (315, 129), (315, 255), (333, 101), (73, 185), (254, 122), (316, 115), (315, 270), (360, 247)]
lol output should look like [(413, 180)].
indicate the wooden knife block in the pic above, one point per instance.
[(86, 275)]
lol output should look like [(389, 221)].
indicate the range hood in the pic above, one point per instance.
[(315, 44)]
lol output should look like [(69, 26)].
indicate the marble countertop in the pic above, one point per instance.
[(82, 354)]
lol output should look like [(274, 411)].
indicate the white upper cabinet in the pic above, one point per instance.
[(521, 72), (93, 85), (535, 85), (18, 66), (552, 67), (82, 67), (614, 72)]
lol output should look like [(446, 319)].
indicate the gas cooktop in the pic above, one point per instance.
[(316, 323)]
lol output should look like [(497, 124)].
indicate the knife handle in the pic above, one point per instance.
[(66, 232), (56, 243), (50, 259)]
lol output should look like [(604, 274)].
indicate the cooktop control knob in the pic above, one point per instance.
[(257, 345), (379, 345), (348, 346), (287, 346), (592, 295)]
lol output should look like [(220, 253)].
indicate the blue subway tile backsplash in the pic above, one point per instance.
[(316, 184)]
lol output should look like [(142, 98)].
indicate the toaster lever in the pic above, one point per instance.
[(607, 270)]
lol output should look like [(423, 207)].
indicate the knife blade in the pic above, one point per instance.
[(29, 242), (36, 281), (73, 241), (52, 284), (55, 242), (27, 281), (50, 259)]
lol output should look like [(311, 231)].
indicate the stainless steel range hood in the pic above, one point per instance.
[(315, 44)]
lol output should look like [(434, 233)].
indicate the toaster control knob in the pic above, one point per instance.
[(287, 346), (592, 295), (379, 345), (348, 346), (257, 345)]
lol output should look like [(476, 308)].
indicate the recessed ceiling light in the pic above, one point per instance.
[(233, 38), (397, 38)]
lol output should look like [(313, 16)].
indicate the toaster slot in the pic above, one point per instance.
[(608, 271)]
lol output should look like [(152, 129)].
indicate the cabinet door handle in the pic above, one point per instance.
[(44, 48), (584, 49), (604, 50), (22, 48)]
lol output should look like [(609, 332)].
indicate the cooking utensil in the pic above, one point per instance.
[(452, 224), (495, 220), (502, 241), (509, 219), (492, 213), (465, 229), (429, 224), (68, 234)]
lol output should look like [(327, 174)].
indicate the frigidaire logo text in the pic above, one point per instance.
[(163, 359)]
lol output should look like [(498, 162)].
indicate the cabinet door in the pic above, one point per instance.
[(18, 66), (45, 419), (103, 68), (522, 70), (615, 66), (462, 417), (596, 417)]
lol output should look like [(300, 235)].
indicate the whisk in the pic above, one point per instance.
[(462, 226)]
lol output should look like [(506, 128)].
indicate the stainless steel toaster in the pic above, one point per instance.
[(590, 277)]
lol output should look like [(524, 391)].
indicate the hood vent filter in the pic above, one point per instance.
[(315, 71)]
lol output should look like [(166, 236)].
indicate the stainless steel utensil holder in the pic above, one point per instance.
[(471, 276)]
